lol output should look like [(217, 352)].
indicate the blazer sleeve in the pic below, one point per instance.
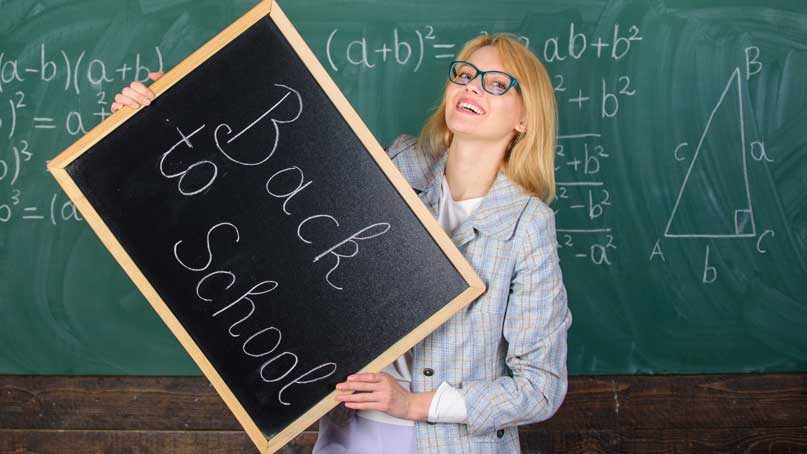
[(535, 327)]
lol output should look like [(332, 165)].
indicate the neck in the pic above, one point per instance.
[(472, 166)]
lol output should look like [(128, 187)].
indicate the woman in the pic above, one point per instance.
[(484, 166)]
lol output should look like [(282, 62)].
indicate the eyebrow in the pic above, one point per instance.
[(486, 70)]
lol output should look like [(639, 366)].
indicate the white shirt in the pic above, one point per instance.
[(448, 405)]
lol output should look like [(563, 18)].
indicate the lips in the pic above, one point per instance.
[(468, 106)]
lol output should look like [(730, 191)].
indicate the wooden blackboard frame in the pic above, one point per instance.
[(265, 10)]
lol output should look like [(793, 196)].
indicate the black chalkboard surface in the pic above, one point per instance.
[(266, 226)]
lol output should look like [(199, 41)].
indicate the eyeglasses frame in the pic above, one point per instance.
[(481, 75)]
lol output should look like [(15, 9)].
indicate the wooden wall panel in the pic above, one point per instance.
[(614, 414)]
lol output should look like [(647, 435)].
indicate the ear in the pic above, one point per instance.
[(521, 127)]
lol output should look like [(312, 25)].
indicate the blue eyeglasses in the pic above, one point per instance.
[(494, 82)]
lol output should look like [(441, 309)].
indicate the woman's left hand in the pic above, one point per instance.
[(381, 392)]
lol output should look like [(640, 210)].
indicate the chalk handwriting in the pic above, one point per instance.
[(281, 364)]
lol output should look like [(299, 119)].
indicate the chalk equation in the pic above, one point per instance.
[(23, 121), (607, 99), (72, 70), (58, 210), (409, 48), (583, 196)]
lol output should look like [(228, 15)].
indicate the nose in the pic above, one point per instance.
[(475, 85)]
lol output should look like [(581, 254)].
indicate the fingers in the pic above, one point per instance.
[(361, 382), (358, 386), (366, 377), (369, 391), (366, 406), (364, 397), (123, 100), (376, 400), (135, 95), (371, 399), (369, 387), (138, 97), (141, 90)]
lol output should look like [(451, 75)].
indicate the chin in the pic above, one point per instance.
[(469, 132), (464, 133), (474, 130), (462, 128)]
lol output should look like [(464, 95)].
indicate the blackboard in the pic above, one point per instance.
[(69, 309), (265, 225)]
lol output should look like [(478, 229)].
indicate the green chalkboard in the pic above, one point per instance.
[(682, 164)]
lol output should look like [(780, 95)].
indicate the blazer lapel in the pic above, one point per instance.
[(496, 215), (430, 194), (463, 233)]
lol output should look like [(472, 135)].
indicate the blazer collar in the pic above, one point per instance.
[(496, 216)]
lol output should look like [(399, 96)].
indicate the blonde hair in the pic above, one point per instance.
[(530, 158)]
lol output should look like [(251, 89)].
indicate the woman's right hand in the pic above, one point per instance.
[(136, 94)]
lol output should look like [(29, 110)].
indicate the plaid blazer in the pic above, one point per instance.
[(506, 351)]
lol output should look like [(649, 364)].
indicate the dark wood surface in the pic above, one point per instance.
[(613, 414)]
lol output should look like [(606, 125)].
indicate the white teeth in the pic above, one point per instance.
[(471, 107)]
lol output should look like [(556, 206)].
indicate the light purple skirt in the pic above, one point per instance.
[(364, 436)]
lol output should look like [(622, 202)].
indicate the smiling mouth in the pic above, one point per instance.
[(468, 107)]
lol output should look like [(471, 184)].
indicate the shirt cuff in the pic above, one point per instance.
[(448, 406)]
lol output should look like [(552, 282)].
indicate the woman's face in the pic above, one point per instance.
[(498, 117)]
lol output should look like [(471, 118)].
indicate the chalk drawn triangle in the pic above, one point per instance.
[(715, 200)]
